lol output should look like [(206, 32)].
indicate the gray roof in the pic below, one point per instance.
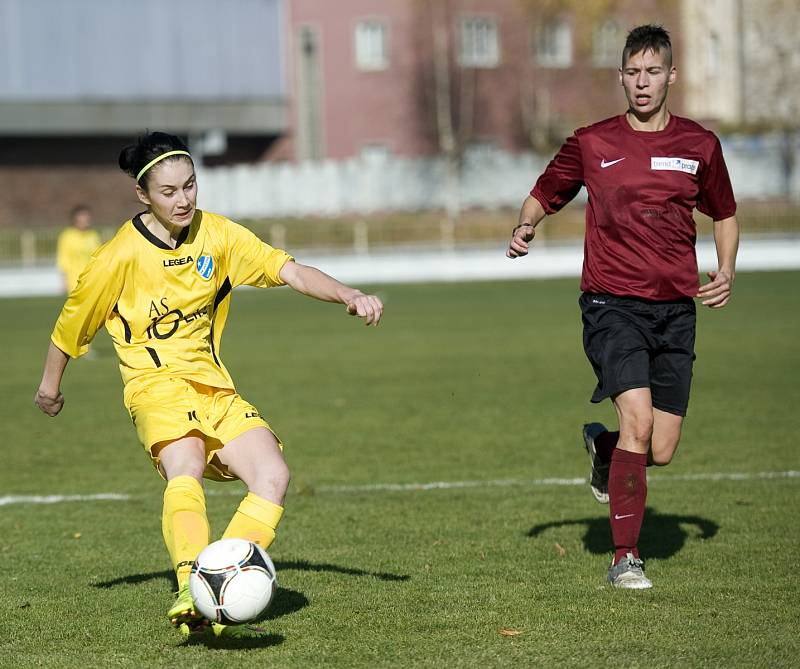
[(116, 65)]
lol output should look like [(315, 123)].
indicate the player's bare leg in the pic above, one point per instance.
[(183, 457), (627, 486), (256, 458), (635, 413), (666, 435)]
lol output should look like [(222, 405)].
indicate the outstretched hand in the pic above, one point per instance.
[(368, 307), (520, 238), (50, 404), (717, 292)]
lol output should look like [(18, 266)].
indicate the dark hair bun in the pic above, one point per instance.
[(149, 146), (126, 158)]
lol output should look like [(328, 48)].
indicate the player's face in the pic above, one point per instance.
[(646, 78), (171, 192), (82, 219)]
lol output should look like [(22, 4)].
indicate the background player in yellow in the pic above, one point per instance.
[(162, 287), (76, 245)]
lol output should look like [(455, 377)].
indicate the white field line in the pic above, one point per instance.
[(414, 487), (58, 499), (506, 483)]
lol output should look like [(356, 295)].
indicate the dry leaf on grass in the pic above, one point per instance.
[(508, 631), (560, 549)]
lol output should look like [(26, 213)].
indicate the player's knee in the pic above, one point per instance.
[(196, 469), (183, 460), (639, 427), (273, 482), (281, 477)]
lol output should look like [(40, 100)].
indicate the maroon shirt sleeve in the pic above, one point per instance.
[(715, 198), (562, 178)]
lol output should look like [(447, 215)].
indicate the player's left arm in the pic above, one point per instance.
[(314, 283), (717, 292)]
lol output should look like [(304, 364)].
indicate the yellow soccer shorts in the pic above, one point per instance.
[(169, 409)]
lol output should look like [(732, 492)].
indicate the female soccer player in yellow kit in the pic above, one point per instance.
[(162, 287), (76, 245)]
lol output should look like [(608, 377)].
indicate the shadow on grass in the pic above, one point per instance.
[(303, 565), (208, 640), (286, 601), (662, 535), (280, 565)]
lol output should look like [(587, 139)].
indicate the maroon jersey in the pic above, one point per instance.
[(643, 187)]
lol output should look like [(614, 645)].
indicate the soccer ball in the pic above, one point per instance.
[(232, 581)]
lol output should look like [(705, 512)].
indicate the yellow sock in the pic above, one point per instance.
[(184, 524), (255, 520)]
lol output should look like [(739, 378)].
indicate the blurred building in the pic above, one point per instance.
[(291, 81), (407, 76), (79, 79), (742, 62)]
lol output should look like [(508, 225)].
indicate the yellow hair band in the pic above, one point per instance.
[(159, 159)]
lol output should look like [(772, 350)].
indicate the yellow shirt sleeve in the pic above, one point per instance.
[(88, 306), (252, 262)]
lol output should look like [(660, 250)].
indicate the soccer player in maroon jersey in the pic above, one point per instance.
[(645, 172)]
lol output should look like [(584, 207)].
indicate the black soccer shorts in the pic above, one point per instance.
[(637, 343)]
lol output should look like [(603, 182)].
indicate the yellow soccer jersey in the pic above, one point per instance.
[(165, 308), (73, 251)]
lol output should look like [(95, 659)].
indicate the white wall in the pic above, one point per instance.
[(491, 179)]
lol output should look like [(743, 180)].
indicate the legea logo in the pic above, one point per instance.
[(674, 164), (205, 266)]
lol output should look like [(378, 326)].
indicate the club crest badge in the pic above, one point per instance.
[(205, 266)]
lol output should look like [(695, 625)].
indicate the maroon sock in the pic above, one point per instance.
[(605, 443), (627, 493)]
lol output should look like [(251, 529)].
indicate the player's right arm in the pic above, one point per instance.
[(558, 184), (48, 397), (530, 215), (87, 308)]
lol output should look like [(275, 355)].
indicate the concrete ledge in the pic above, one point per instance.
[(98, 117)]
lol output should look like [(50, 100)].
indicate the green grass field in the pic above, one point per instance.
[(471, 382)]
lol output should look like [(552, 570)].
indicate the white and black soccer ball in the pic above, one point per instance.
[(232, 581)]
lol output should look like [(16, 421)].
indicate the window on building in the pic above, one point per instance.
[(607, 44), (372, 52), (553, 44), (480, 44)]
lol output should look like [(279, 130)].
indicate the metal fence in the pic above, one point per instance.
[(361, 235), (37, 246)]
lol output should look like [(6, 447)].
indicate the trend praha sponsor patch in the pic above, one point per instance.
[(674, 164)]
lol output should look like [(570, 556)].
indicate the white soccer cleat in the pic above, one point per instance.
[(629, 573)]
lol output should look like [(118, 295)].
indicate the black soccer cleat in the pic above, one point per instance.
[(599, 477)]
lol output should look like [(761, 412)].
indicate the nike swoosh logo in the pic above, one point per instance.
[(627, 515), (605, 164)]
